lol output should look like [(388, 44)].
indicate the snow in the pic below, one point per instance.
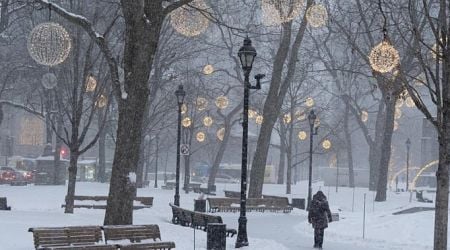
[(132, 177), (39, 206)]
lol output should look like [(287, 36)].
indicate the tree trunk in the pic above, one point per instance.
[(386, 149), (219, 156), (140, 164), (141, 41), (57, 156), (375, 148), (282, 160), (101, 155), (348, 142), (274, 100), (290, 133), (72, 181)]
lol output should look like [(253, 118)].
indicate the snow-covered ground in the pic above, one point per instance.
[(36, 206)]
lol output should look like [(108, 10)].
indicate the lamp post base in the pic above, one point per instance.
[(242, 240), (176, 200)]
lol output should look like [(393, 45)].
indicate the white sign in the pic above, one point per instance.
[(184, 149)]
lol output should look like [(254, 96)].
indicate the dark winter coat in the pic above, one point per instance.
[(319, 212)]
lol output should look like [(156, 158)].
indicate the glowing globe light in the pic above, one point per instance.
[(280, 11), (384, 57), (201, 103), (49, 44), (91, 83), (364, 116), (208, 69), (302, 135), (326, 144), (200, 136), (49, 81), (398, 113), (207, 121), (184, 108), (309, 102), (399, 103), (222, 102), (287, 118), (189, 21), (259, 119), (252, 114), (186, 122), (101, 101), (220, 134), (410, 102), (317, 15)]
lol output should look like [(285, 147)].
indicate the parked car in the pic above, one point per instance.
[(10, 174)]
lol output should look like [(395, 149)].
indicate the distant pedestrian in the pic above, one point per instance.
[(319, 215)]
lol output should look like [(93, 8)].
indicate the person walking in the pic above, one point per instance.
[(319, 215)]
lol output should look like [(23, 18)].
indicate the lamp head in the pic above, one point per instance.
[(247, 54), (180, 93)]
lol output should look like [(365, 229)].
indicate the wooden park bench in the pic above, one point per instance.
[(82, 237), (136, 234), (147, 202), (169, 186), (196, 220), (232, 194), (204, 191), (253, 204), (90, 237), (4, 204)]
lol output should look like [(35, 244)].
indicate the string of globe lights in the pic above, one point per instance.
[(189, 20)]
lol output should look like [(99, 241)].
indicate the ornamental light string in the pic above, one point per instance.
[(317, 15), (190, 21), (220, 134), (222, 102), (309, 102), (326, 144), (200, 136), (186, 122), (201, 103), (302, 135), (259, 119), (91, 83), (49, 81), (208, 69), (208, 121), (364, 116), (101, 101), (287, 118), (49, 44), (276, 12)]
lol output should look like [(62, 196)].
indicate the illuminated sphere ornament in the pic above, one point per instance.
[(201, 103), (364, 116), (280, 11), (200, 136), (220, 134), (410, 102), (302, 135), (189, 21), (49, 44), (326, 144), (287, 118), (317, 15), (222, 102), (309, 102), (102, 101), (384, 57), (259, 119), (208, 69), (186, 122), (184, 108), (207, 121), (49, 81), (91, 83)]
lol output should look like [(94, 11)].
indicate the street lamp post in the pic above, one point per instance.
[(408, 146), (180, 93), (246, 54), (156, 159), (311, 119)]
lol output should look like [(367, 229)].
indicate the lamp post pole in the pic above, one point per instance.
[(408, 146), (246, 55), (156, 159), (180, 93), (311, 118)]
